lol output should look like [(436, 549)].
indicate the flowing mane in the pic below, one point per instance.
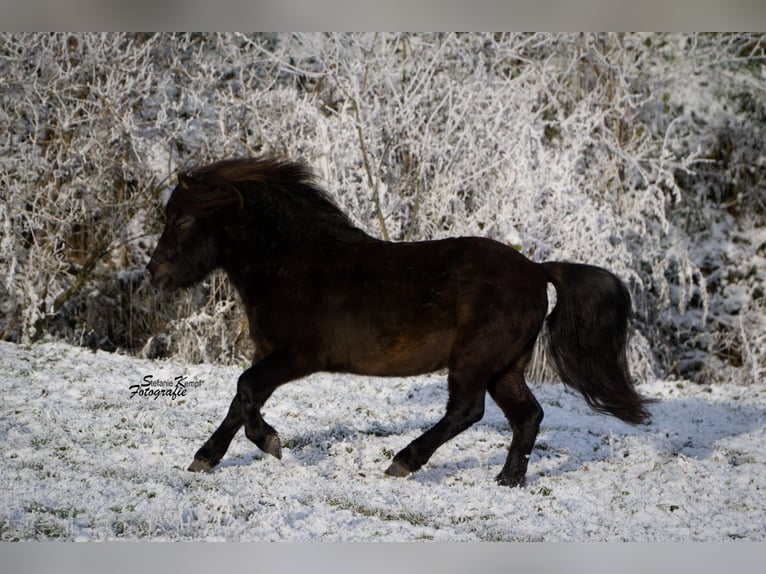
[(240, 181)]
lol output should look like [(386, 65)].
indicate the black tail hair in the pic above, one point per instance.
[(587, 336)]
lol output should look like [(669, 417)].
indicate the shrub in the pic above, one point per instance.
[(622, 150)]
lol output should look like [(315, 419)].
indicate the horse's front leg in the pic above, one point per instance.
[(216, 446), (254, 387)]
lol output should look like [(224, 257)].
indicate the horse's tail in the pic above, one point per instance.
[(587, 335)]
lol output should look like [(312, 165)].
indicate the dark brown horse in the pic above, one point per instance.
[(322, 295)]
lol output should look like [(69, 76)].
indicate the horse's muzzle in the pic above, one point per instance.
[(160, 276)]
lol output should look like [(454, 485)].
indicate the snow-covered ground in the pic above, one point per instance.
[(83, 460)]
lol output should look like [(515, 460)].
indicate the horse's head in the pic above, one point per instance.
[(190, 245), (237, 209)]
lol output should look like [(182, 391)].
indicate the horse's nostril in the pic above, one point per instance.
[(160, 276)]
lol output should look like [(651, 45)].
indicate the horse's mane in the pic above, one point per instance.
[(238, 182)]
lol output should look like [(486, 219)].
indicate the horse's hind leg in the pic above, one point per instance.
[(524, 413), (464, 407)]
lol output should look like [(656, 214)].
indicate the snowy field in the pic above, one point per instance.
[(83, 460)]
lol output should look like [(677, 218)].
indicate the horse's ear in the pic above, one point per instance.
[(202, 198)]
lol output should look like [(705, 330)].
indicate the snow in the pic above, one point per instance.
[(82, 460)]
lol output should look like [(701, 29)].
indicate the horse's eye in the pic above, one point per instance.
[(183, 221)]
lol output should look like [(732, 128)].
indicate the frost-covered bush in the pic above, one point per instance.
[(566, 146), (73, 184), (710, 105)]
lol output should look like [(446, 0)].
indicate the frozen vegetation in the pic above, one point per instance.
[(642, 153)]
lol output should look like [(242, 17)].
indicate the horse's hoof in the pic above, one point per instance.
[(511, 481), (199, 465), (271, 445), (397, 469)]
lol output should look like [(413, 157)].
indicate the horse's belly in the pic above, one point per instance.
[(404, 355)]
